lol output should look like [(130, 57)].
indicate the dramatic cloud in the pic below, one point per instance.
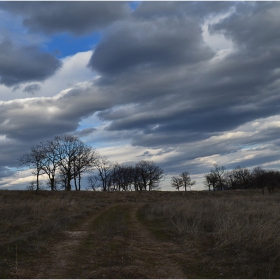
[(154, 85), (141, 46), (253, 26), (25, 64), (204, 93), (73, 17), (38, 118), (196, 10)]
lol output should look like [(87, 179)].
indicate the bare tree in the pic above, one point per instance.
[(31, 186), (137, 178), (210, 180), (66, 156), (116, 177), (74, 158), (35, 160), (51, 162), (216, 178), (150, 175), (242, 177), (176, 182), (187, 182), (265, 179), (93, 182), (104, 170), (230, 180), (182, 181), (124, 177), (83, 161)]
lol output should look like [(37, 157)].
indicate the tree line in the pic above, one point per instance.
[(143, 176), (65, 159), (241, 178)]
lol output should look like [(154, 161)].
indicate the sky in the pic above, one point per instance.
[(184, 84)]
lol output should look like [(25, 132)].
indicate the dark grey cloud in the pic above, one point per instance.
[(190, 157), (25, 64), (161, 86), (145, 45), (185, 119), (146, 154), (5, 172), (254, 26), (11, 150), (179, 99), (78, 17), (199, 10), (40, 118), (258, 160), (31, 120), (32, 89)]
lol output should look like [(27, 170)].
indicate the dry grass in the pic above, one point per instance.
[(227, 236), (104, 248), (222, 234), (30, 220)]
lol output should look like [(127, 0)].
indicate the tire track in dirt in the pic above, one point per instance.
[(58, 256), (160, 258), (144, 256), (149, 257)]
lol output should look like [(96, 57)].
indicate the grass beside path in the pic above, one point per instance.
[(120, 247), (104, 248), (227, 234)]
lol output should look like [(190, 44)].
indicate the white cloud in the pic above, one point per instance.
[(218, 42), (73, 72)]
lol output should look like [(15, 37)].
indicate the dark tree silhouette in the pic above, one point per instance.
[(150, 175), (187, 182), (216, 178), (35, 160), (103, 167), (182, 181), (176, 182), (67, 155)]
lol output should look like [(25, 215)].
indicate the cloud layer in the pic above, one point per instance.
[(25, 64), (153, 82), (73, 17)]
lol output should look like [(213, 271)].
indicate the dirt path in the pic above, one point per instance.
[(57, 259), (154, 258), (129, 251)]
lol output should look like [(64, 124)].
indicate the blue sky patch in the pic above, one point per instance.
[(133, 5), (63, 45)]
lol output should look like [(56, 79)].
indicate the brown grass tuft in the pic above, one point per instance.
[(238, 237)]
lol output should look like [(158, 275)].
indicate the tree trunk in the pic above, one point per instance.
[(37, 181), (79, 181), (68, 186), (75, 183), (52, 184)]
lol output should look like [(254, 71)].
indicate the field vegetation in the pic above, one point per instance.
[(226, 234), (229, 236)]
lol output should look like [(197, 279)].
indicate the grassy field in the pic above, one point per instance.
[(230, 234)]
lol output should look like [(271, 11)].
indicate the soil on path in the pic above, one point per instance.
[(132, 252), (153, 258), (53, 263)]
